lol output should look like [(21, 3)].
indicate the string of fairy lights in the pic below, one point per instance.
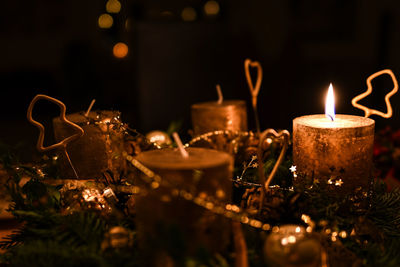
[(213, 204), (111, 17), (228, 210)]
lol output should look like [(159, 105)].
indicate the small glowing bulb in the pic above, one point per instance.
[(330, 104), (120, 50), (113, 6), (292, 239), (189, 14), (211, 8), (343, 234), (105, 21)]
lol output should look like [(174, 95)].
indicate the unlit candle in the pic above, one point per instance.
[(204, 173), (212, 116)]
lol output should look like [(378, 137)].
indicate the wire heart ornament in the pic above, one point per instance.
[(254, 90), (271, 133), (368, 111), (63, 143), (284, 135)]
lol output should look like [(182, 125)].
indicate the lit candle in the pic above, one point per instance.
[(219, 115), (334, 149), (95, 152), (204, 173)]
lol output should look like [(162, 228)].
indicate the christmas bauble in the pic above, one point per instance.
[(79, 197), (290, 245), (118, 237), (159, 138)]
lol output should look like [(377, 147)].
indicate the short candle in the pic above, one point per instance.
[(92, 154), (204, 172), (212, 116), (337, 151)]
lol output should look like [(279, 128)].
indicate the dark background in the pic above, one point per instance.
[(56, 47)]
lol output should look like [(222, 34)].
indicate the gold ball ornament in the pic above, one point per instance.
[(291, 245), (118, 237), (159, 138), (78, 197)]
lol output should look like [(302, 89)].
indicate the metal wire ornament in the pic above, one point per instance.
[(368, 111), (254, 90), (230, 144), (62, 144), (228, 210), (285, 136)]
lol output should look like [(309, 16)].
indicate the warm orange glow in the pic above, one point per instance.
[(189, 14), (128, 24), (211, 8), (113, 6), (120, 50), (330, 104), (105, 21)]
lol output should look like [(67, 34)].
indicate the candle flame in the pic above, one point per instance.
[(330, 104)]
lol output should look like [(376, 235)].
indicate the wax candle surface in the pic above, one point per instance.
[(204, 173), (211, 116), (339, 150), (94, 152)]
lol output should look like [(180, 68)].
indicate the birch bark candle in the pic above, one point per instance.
[(204, 172), (96, 151), (219, 115), (334, 149)]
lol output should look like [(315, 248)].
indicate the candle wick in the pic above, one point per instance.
[(90, 107), (178, 141), (220, 96), (331, 117)]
